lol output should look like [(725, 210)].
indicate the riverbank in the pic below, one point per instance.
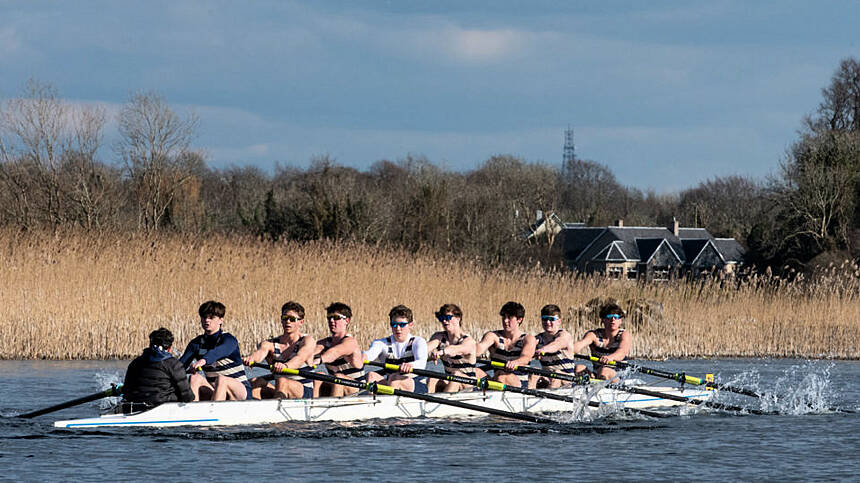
[(80, 296)]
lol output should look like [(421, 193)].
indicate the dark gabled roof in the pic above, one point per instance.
[(647, 247), (694, 233), (630, 235), (730, 249), (576, 239), (692, 247)]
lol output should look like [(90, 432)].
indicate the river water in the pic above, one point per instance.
[(803, 442)]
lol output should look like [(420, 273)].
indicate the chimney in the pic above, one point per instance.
[(539, 215), (674, 226), (619, 222)]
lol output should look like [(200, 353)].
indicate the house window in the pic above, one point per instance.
[(661, 273), (632, 273), (615, 272)]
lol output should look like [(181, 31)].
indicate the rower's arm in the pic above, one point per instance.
[(419, 350), (465, 348), (529, 346), (347, 346), (560, 343), (376, 348), (623, 348), (434, 342), (487, 341), (584, 342), (258, 355), (304, 355)]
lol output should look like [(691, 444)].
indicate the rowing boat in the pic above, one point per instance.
[(364, 407)]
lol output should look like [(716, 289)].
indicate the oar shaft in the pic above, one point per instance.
[(534, 370), (383, 389), (484, 383), (111, 391), (672, 397), (675, 376)]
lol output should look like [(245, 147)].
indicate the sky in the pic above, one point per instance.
[(667, 94)]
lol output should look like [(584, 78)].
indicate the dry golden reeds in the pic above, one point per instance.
[(81, 296)]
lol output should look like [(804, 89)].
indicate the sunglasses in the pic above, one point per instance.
[(446, 317), (336, 317), (550, 318), (612, 317), (398, 324), (290, 318)]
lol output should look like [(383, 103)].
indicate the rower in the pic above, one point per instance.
[(216, 354), (292, 350), (455, 349), (611, 343), (155, 376), (554, 349), (399, 348), (511, 345), (340, 352)]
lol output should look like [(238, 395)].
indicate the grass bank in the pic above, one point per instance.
[(81, 296)]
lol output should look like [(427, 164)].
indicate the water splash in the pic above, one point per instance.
[(104, 379), (803, 389)]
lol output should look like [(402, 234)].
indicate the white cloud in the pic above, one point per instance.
[(10, 42)]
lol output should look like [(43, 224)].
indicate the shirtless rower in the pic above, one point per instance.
[(340, 352), (511, 345), (292, 350), (555, 349), (214, 359), (611, 343), (407, 351), (455, 349)]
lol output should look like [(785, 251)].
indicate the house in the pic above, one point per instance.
[(649, 253)]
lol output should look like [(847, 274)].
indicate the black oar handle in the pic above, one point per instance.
[(114, 390)]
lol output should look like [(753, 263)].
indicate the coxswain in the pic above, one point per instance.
[(510, 345), (400, 348), (155, 376), (290, 350), (610, 343), (214, 360), (340, 352), (453, 348), (555, 349)]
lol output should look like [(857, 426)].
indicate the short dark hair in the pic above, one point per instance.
[(513, 309), (295, 307), (210, 308), (400, 311), (611, 308), (161, 338), (550, 309), (454, 309), (339, 308)]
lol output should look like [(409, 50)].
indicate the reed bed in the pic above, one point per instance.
[(85, 296)]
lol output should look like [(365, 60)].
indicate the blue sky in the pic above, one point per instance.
[(666, 94)]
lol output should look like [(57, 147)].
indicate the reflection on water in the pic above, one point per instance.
[(698, 444)]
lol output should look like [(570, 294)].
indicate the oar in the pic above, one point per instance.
[(632, 390), (113, 390), (675, 376), (533, 370), (485, 383), (377, 388)]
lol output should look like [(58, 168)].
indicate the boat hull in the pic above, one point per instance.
[(364, 407)]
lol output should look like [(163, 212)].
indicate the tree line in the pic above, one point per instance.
[(52, 177)]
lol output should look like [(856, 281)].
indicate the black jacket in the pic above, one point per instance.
[(156, 377)]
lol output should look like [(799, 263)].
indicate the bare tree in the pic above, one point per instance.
[(49, 150), (154, 144)]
